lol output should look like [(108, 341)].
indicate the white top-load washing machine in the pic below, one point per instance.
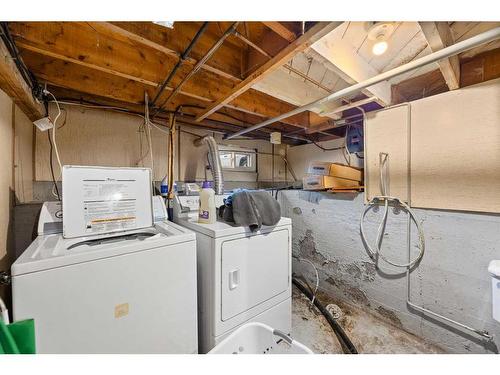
[(131, 291), (243, 276)]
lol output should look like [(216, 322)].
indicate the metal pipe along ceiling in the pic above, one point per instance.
[(182, 57), (201, 62), (455, 49)]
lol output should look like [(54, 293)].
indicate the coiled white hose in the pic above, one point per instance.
[(375, 251)]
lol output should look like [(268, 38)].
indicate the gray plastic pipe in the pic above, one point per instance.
[(213, 161), (455, 49)]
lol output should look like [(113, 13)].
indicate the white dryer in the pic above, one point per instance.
[(243, 276), (129, 292)]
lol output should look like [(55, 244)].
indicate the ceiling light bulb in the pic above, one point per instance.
[(168, 24), (379, 47)]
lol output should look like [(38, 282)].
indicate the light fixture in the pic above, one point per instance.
[(168, 24), (379, 47), (379, 33)]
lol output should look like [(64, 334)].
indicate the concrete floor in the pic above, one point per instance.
[(368, 333)]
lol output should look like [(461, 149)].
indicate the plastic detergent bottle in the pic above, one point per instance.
[(207, 213)]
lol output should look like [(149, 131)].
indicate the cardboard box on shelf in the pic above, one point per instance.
[(325, 168), (320, 182)]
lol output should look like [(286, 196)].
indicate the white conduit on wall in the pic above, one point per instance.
[(455, 49)]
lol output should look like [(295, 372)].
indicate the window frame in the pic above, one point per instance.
[(235, 150)]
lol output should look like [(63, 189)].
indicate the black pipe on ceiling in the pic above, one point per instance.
[(182, 57)]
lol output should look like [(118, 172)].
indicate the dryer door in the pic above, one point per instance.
[(254, 270)]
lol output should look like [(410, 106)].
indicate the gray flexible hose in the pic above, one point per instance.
[(375, 252), (213, 161)]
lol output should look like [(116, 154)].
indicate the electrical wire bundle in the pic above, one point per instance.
[(29, 77)]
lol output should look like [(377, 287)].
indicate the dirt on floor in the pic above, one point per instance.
[(368, 333)]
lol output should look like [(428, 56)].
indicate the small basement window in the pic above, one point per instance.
[(234, 158)]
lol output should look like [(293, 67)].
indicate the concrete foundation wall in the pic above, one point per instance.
[(452, 278)]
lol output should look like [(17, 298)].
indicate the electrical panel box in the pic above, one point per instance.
[(100, 200), (355, 136)]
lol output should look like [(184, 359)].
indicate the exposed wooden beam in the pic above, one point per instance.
[(249, 43), (350, 66), (73, 56), (96, 79), (281, 30), (312, 35), (331, 125), (12, 82), (427, 84), (217, 122), (79, 43), (289, 87), (95, 82), (349, 106), (59, 56), (121, 33), (295, 90), (285, 87), (480, 68), (286, 66), (439, 36)]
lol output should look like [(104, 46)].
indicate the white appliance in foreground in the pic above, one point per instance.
[(494, 270), (242, 276), (126, 292)]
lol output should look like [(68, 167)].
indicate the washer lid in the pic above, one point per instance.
[(52, 251), (494, 268), (222, 229)]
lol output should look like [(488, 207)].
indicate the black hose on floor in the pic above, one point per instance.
[(346, 343)]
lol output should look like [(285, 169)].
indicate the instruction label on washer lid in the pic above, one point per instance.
[(109, 205)]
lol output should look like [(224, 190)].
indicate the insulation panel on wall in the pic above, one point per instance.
[(454, 153), (455, 149)]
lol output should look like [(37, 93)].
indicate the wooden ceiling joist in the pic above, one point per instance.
[(59, 56), (12, 82), (312, 35), (351, 67), (136, 35), (223, 122), (332, 124), (439, 36), (116, 70), (281, 30)]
